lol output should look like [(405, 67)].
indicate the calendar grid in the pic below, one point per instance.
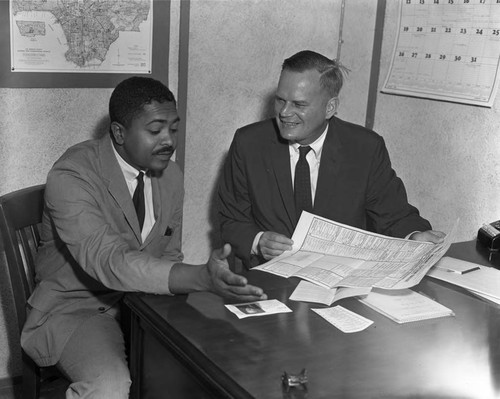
[(447, 50)]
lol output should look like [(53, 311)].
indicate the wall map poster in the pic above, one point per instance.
[(447, 50), (91, 36)]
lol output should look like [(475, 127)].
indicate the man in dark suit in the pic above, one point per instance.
[(112, 224), (307, 159)]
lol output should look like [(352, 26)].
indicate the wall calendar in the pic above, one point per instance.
[(447, 50)]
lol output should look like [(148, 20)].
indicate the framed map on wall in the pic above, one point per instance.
[(70, 43)]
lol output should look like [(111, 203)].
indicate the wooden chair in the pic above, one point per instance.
[(20, 214)]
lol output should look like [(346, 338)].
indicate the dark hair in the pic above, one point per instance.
[(332, 72), (131, 95)]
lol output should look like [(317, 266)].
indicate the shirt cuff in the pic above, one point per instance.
[(409, 235), (255, 245)]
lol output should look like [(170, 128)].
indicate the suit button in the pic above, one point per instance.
[(101, 309)]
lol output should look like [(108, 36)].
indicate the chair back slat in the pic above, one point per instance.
[(20, 213), (35, 234), (28, 247)]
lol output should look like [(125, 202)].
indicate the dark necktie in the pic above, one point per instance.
[(138, 199), (302, 184)]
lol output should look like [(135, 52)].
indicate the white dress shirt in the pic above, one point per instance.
[(313, 158), (130, 173)]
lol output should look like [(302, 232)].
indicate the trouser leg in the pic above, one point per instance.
[(94, 360)]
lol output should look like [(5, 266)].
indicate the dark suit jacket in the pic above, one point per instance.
[(356, 186), (91, 247)]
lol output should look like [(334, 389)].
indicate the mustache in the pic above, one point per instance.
[(164, 150)]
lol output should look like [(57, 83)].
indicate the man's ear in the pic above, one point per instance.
[(117, 130), (331, 107)]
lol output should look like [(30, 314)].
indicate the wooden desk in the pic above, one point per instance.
[(192, 347)]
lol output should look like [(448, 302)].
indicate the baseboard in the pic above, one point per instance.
[(8, 382)]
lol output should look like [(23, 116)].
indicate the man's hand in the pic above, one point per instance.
[(227, 284), (273, 244), (433, 236)]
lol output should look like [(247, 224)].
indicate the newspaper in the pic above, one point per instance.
[(332, 254)]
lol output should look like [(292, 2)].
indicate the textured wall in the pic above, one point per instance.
[(37, 125), (447, 154), (236, 51)]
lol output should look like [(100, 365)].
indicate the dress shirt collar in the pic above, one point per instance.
[(129, 172), (316, 146)]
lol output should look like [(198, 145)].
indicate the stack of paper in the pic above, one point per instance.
[(405, 305), (482, 281), (309, 292)]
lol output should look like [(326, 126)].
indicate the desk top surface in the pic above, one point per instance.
[(451, 357)]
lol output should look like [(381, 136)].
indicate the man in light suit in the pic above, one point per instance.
[(112, 224), (345, 168)]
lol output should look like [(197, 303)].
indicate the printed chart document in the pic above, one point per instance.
[(333, 255), (309, 292), (404, 306)]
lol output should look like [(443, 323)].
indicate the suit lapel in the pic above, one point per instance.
[(280, 155), (117, 186), (328, 170)]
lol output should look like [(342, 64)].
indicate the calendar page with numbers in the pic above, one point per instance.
[(447, 50)]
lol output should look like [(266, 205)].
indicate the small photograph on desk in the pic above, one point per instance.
[(259, 308)]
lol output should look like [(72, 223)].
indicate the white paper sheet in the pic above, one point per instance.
[(345, 320), (485, 281)]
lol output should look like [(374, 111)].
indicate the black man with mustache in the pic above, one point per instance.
[(112, 224)]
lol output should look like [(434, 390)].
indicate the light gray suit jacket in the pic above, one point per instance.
[(91, 248)]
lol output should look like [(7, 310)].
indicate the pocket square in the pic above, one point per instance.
[(169, 231)]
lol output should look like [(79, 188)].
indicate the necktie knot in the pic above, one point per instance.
[(138, 199), (303, 151), (140, 179)]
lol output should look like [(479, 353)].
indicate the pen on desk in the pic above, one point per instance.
[(463, 272), (471, 270)]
